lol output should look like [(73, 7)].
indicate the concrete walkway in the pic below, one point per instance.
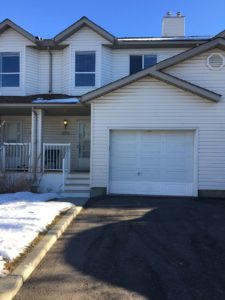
[(136, 248)]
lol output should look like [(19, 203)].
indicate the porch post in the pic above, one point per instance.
[(36, 140)]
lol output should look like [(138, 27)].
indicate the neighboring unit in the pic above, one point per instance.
[(86, 113)]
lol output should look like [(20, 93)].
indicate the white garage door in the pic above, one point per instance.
[(151, 162)]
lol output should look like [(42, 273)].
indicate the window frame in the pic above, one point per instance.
[(85, 72), (5, 137), (143, 60), (11, 73)]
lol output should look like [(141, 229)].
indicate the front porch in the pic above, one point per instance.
[(52, 144)]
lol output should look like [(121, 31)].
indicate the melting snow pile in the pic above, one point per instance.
[(22, 217)]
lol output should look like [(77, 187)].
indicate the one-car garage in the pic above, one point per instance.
[(152, 162)]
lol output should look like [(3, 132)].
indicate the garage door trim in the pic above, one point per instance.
[(195, 162)]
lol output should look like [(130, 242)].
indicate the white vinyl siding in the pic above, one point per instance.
[(43, 72), (37, 71), (152, 104), (66, 71), (57, 72), (106, 65), (32, 74), (195, 70)]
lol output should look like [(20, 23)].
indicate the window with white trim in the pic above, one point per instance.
[(140, 62), (9, 69), (84, 68)]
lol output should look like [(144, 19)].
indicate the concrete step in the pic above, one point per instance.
[(77, 185), (81, 181), (78, 175), (77, 188)]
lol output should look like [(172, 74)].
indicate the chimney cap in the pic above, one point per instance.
[(169, 14)]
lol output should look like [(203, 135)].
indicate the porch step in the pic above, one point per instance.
[(81, 181), (73, 187), (77, 185), (80, 175)]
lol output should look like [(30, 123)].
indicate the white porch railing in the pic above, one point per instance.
[(53, 155), (15, 156)]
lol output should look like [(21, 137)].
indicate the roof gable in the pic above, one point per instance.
[(167, 78), (84, 21), (157, 72), (7, 23)]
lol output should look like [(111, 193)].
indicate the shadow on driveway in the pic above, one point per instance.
[(160, 248), (136, 248)]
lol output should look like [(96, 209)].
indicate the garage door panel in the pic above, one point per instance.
[(150, 176), (177, 177), (128, 172), (164, 189), (151, 162), (126, 187)]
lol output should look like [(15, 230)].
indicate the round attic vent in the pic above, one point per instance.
[(215, 61)]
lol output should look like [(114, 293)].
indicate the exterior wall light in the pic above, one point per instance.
[(65, 122)]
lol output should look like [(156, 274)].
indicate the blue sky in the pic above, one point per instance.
[(46, 18)]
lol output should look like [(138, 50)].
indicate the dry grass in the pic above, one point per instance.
[(12, 183)]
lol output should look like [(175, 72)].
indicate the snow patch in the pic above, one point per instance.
[(27, 196), (22, 217), (67, 100)]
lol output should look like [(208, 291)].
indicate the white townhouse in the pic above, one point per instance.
[(87, 113)]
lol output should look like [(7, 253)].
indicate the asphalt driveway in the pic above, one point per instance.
[(137, 248)]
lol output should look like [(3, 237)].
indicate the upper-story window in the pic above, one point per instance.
[(140, 62), (85, 68), (9, 69)]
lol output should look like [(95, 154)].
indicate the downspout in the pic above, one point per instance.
[(50, 70), (34, 161)]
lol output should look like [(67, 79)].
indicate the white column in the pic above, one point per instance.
[(36, 140), (40, 116)]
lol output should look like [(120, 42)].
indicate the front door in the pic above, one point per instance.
[(84, 138)]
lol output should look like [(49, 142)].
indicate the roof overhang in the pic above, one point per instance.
[(41, 105), (49, 109), (157, 44), (48, 46)]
